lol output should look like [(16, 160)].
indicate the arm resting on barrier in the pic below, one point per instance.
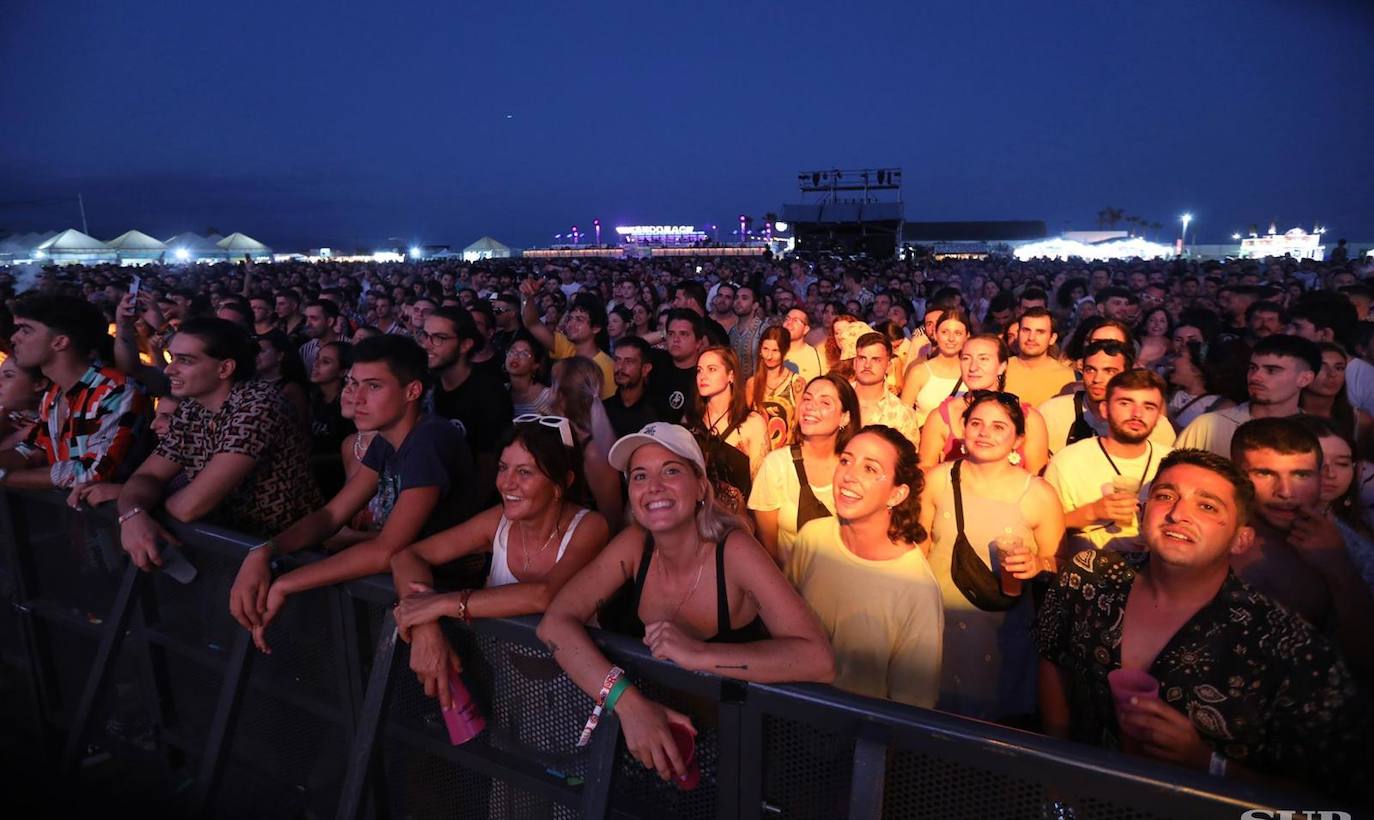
[(370, 557), (534, 596), (797, 651), (221, 475), (320, 524), (138, 534)]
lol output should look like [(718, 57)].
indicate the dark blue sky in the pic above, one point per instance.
[(309, 122)]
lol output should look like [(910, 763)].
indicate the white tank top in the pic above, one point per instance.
[(936, 389), (501, 574)]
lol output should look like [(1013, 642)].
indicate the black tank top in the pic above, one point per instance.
[(752, 631)]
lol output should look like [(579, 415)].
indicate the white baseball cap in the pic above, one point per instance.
[(673, 436)]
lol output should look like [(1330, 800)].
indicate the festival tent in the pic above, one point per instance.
[(73, 246), (137, 247), (192, 247), (486, 248), (238, 244)]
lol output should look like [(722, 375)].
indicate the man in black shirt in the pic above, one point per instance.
[(470, 396), (629, 409), (673, 384)]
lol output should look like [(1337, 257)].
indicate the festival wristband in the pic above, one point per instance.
[(133, 511), (616, 691), (463, 606), (606, 686), (267, 545)]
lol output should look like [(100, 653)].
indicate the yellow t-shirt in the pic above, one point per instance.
[(563, 348), (885, 619)]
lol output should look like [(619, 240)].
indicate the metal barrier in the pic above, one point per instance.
[(147, 689)]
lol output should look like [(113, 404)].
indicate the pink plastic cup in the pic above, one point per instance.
[(1130, 683), (687, 747)]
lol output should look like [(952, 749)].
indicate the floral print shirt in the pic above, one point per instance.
[(1259, 684)]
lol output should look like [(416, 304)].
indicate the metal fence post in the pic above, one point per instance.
[(368, 723), (868, 784), (39, 676), (605, 751), (116, 625), (237, 668)]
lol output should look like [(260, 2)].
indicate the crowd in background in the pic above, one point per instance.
[(991, 487)]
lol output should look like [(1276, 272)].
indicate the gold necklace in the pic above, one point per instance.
[(680, 604), (524, 545)]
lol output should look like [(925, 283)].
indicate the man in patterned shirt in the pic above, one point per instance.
[(877, 404), (236, 439), (1246, 689), (91, 416)]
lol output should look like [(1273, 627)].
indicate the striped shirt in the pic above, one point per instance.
[(85, 433)]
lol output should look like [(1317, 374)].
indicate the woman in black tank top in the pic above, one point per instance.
[(703, 594)]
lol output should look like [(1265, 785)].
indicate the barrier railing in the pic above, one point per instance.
[(144, 688)]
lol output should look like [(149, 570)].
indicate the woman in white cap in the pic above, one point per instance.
[(748, 624)]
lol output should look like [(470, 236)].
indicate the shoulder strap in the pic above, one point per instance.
[(954, 391), (722, 601), (797, 463), (572, 528), (644, 560), (1078, 406), (958, 496)]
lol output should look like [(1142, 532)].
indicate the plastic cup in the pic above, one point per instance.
[(1123, 485), (1130, 683), (687, 747), (1006, 544)]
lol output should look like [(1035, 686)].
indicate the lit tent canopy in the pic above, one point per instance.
[(72, 245), (237, 244), (137, 246), (485, 248), (1059, 248)]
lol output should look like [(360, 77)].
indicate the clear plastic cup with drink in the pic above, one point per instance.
[(1002, 547), (1123, 485)]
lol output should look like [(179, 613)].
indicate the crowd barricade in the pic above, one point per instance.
[(140, 687)]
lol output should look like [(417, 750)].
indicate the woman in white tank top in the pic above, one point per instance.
[(538, 537), (930, 382)]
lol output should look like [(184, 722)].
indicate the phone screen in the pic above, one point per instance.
[(134, 285)]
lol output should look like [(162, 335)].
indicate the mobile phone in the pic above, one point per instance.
[(175, 564), (134, 285)]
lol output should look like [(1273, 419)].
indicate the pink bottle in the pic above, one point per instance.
[(463, 719)]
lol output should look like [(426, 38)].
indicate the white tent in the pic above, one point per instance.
[(73, 246), (134, 247), (237, 244), (192, 247), (485, 248)]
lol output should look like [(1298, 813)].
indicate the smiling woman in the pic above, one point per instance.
[(748, 623)]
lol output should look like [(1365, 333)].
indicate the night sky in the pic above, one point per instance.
[(303, 122)]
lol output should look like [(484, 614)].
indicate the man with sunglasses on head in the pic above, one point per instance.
[(505, 310), (416, 479), (1078, 416)]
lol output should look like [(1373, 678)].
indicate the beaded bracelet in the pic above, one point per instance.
[(609, 683)]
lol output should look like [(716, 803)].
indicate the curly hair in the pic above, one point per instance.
[(905, 523)]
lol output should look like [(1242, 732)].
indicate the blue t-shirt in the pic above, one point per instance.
[(435, 454)]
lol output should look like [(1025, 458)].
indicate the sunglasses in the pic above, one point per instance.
[(559, 423)]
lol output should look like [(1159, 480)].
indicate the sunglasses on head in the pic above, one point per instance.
[(559, 423)]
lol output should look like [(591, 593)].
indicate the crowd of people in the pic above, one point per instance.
[(987, 487)]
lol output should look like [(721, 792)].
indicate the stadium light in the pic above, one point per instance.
[(415, 252), (182, 254)]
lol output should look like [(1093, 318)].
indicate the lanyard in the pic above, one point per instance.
[(1148, 461)]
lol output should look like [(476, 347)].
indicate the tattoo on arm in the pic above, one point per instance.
[(624, 570), (732, 666), (754, 599)]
